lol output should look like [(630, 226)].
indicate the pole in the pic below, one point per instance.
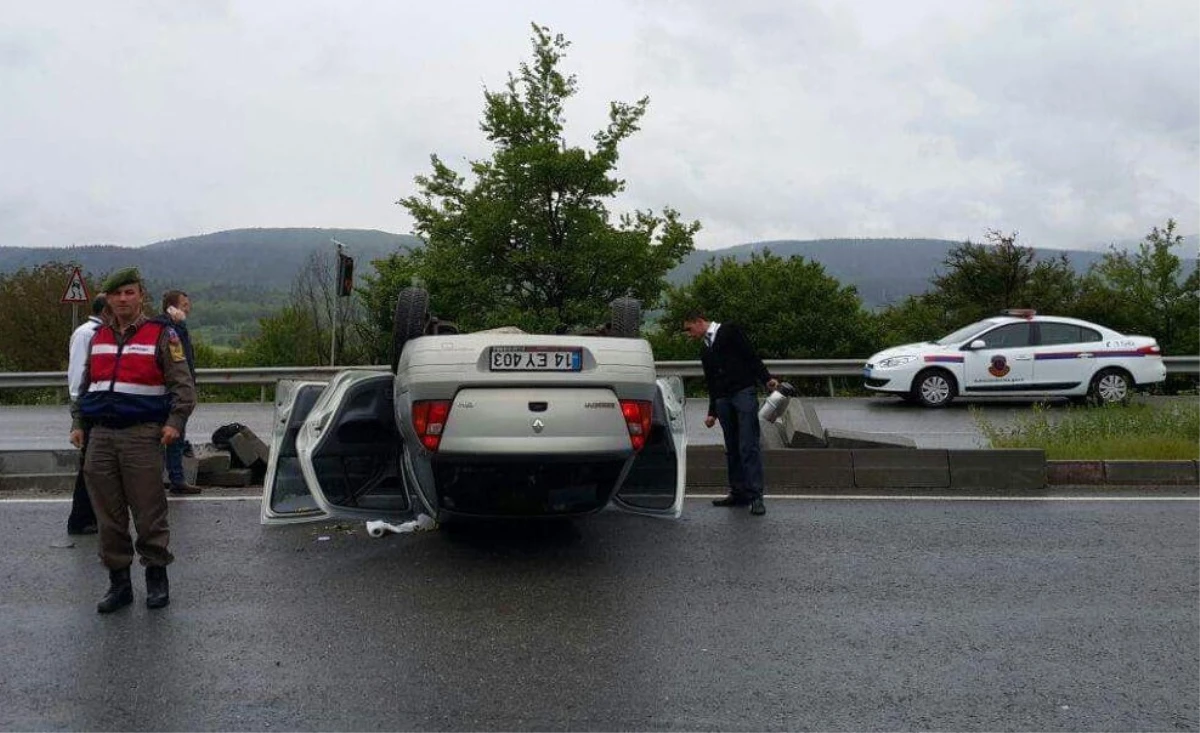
[(74, 316), (337, 300)]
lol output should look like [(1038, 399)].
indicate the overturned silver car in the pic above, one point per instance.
[(496, 424)]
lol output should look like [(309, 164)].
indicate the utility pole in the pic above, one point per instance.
[(337, 302)]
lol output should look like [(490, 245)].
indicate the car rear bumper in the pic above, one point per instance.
[(529, 486)]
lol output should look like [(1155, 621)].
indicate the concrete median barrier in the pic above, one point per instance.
[(1158, 473), (1011, 470)]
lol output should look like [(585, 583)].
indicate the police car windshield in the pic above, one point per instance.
[(964, 333)]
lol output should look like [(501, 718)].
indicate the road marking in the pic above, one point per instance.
[(190, 498), (771, 497), (931, 497)]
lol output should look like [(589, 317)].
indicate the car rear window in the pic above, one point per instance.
[(1066, 333)]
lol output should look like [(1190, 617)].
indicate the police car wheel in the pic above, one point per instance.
[(934, 388), (1111, 386)]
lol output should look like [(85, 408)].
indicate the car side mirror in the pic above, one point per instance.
[(977, 344)]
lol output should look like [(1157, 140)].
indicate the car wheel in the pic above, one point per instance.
[(412, 317), (934, 388), (1110, 386), (626, 318)]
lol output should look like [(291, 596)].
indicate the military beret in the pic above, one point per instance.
[(126, 276)]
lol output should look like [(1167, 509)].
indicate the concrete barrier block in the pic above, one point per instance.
[(57, 483), (706, 467), (800, 425), (248, 449), (881, 468), (1151, 473), (1075, 473), (815, 468), (39, 461), (236, 477), (211, 460), (997, 469), (836, 438)]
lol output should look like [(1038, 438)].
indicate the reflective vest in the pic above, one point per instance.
[(126, 382)]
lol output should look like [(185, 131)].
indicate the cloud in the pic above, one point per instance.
[(1076, 124)]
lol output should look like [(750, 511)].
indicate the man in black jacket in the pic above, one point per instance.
[(732, 369)]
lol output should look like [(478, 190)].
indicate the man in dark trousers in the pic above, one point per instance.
[(731, 369), (176, 307), (136, 395), (82, 519)]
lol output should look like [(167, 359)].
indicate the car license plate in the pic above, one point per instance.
[(866, 372), (535, 359)]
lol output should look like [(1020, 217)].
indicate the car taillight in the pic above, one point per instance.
[(1151, 350), (429, 420), (637, 414)]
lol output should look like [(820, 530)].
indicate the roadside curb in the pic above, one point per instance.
[(906, 470)]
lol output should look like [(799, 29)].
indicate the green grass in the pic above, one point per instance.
[(1113, 432)]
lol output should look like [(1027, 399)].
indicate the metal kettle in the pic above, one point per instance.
[(777, 402)]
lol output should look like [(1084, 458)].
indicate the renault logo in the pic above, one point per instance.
[(538, 425)]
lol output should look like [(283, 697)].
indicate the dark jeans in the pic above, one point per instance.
[(738, 416), (82, 513), (174, 459)]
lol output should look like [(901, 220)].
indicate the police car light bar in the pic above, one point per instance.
[(1020, 312)]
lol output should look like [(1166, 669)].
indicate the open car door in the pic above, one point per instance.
[(286, 497), (656, 481), (347, 449)]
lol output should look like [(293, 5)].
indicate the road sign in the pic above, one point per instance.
[(76, 291)]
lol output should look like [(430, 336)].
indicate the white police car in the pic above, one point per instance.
[(1019, 354)]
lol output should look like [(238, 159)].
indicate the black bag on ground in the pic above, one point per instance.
[(221, 436)]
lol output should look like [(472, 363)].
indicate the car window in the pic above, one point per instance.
[(1066, 333), (963, 333), (1011, 336)]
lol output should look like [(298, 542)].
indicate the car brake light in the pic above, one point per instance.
[(1152, 349), (429, 420), (637, 414)]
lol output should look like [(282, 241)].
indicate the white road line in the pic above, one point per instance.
[(921, 497), (190, 498), (769, 497)]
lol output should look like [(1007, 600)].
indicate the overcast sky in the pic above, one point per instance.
[(1074, 123)]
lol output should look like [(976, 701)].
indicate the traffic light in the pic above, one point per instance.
[(345, 275)]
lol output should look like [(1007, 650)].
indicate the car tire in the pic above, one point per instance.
[(1110, 386), (412, 318), (934, 388), (626, 318)]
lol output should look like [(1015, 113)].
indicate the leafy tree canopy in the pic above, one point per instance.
[(789, 309), (530, 241)]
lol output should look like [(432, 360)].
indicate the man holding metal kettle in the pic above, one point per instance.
[(732, 369)]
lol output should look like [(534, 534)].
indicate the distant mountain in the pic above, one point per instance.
[(247, 264), (258, 259)]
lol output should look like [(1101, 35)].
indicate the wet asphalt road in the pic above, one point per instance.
[(956, 426), (823, 615)]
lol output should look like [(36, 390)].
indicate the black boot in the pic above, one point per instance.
[(158, 590), (120, 592)]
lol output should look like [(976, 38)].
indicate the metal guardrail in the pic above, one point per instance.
[(264, 376)]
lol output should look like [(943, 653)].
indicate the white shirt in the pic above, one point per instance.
[(711, 334), (81, 342)]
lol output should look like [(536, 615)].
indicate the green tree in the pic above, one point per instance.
[(1147, 293), (789, 309), (530, 242), (982, 280), (35, 333)]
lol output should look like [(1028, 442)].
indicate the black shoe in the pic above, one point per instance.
[(120, 592), (158, 589), (85, 529), (731, 500), (757, 508), (185, 489)]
